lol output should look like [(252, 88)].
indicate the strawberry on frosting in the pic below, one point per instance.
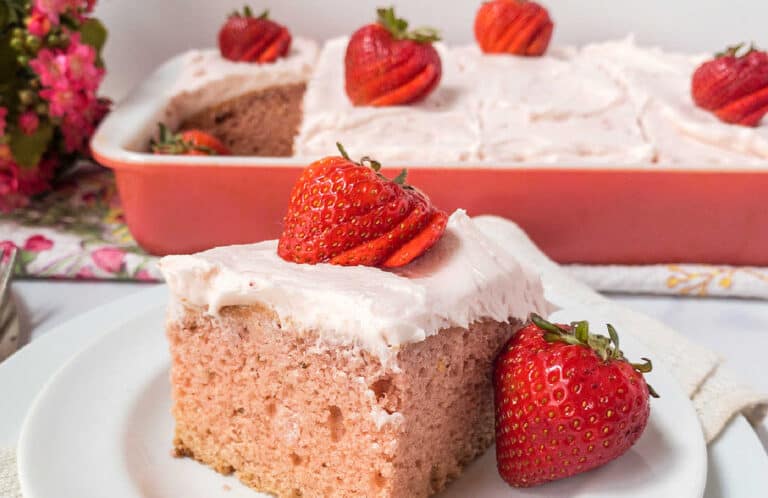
[(348, 213), (248, 38), (517, 27), (734, 86), (385, 64)]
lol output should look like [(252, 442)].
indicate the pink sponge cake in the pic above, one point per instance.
[(330, 381)]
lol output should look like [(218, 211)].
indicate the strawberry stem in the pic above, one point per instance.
[(733, 50), (172, 143), (343, 151), (398, 28), (400, 178), (375, 166), (248, 12), (577, 334)]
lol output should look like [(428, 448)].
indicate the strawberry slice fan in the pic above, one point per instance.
[(517, 27), (245, 38), (385, 64), (734, 85), (348, 213)]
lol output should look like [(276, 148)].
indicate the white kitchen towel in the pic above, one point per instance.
[(715, 394), (9, 483), (679, 279)]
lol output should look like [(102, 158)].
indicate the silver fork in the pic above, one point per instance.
[(9, 319)]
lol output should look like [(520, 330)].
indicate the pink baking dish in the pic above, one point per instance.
[(575, 213)]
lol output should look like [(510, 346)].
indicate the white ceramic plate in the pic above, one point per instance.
[(738, 465), (101, 427)]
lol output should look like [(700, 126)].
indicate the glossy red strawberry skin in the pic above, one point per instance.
[(344, 213), (513, 27), (253, 39), (562, 410), (383, 71), (734, 87), (203, 143)]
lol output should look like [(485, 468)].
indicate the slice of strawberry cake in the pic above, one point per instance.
[(248, 91), (353, 357)]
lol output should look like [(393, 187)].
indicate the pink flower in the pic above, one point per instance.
[(3, 114), (38, 243), (38, 23), (32, 181), (85, 273), (10, 197), (6, 247), (52, 9), (109, 259), (70, 79), (144, 276), (28, 122)]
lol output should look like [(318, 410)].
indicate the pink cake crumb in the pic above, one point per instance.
[(293, 416)]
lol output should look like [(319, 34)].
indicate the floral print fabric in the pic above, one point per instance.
[(76, 231)]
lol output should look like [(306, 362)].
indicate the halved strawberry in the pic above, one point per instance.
[(385, 64), (734, 86), (245, 38), (188, 142), (347, 213), (517, 27)]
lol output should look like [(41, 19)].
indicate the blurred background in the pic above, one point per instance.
[(144, 33)]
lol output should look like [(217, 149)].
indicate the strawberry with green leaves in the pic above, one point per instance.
[(734, 85), (386, 64), (566, 401), (187, 143), (348, 213), (248, 38)]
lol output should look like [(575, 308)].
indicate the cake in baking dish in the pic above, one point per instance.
[(330, 381), (608, 103), (254, 109)]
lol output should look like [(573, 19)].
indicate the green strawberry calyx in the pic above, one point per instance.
[(578, 334), (375, 165), (398, 28), (248, 13), (171, 143), (739, 50)]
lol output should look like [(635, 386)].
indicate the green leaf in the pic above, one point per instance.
[(8, 65), (94, 34), (14, 11), (26, 257), (29, 149)]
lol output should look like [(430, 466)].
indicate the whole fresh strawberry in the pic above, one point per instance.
[(734, 86), (245, 38), (187, 143), (517, 27), (566, 401), (385, 64), (348, 213)]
